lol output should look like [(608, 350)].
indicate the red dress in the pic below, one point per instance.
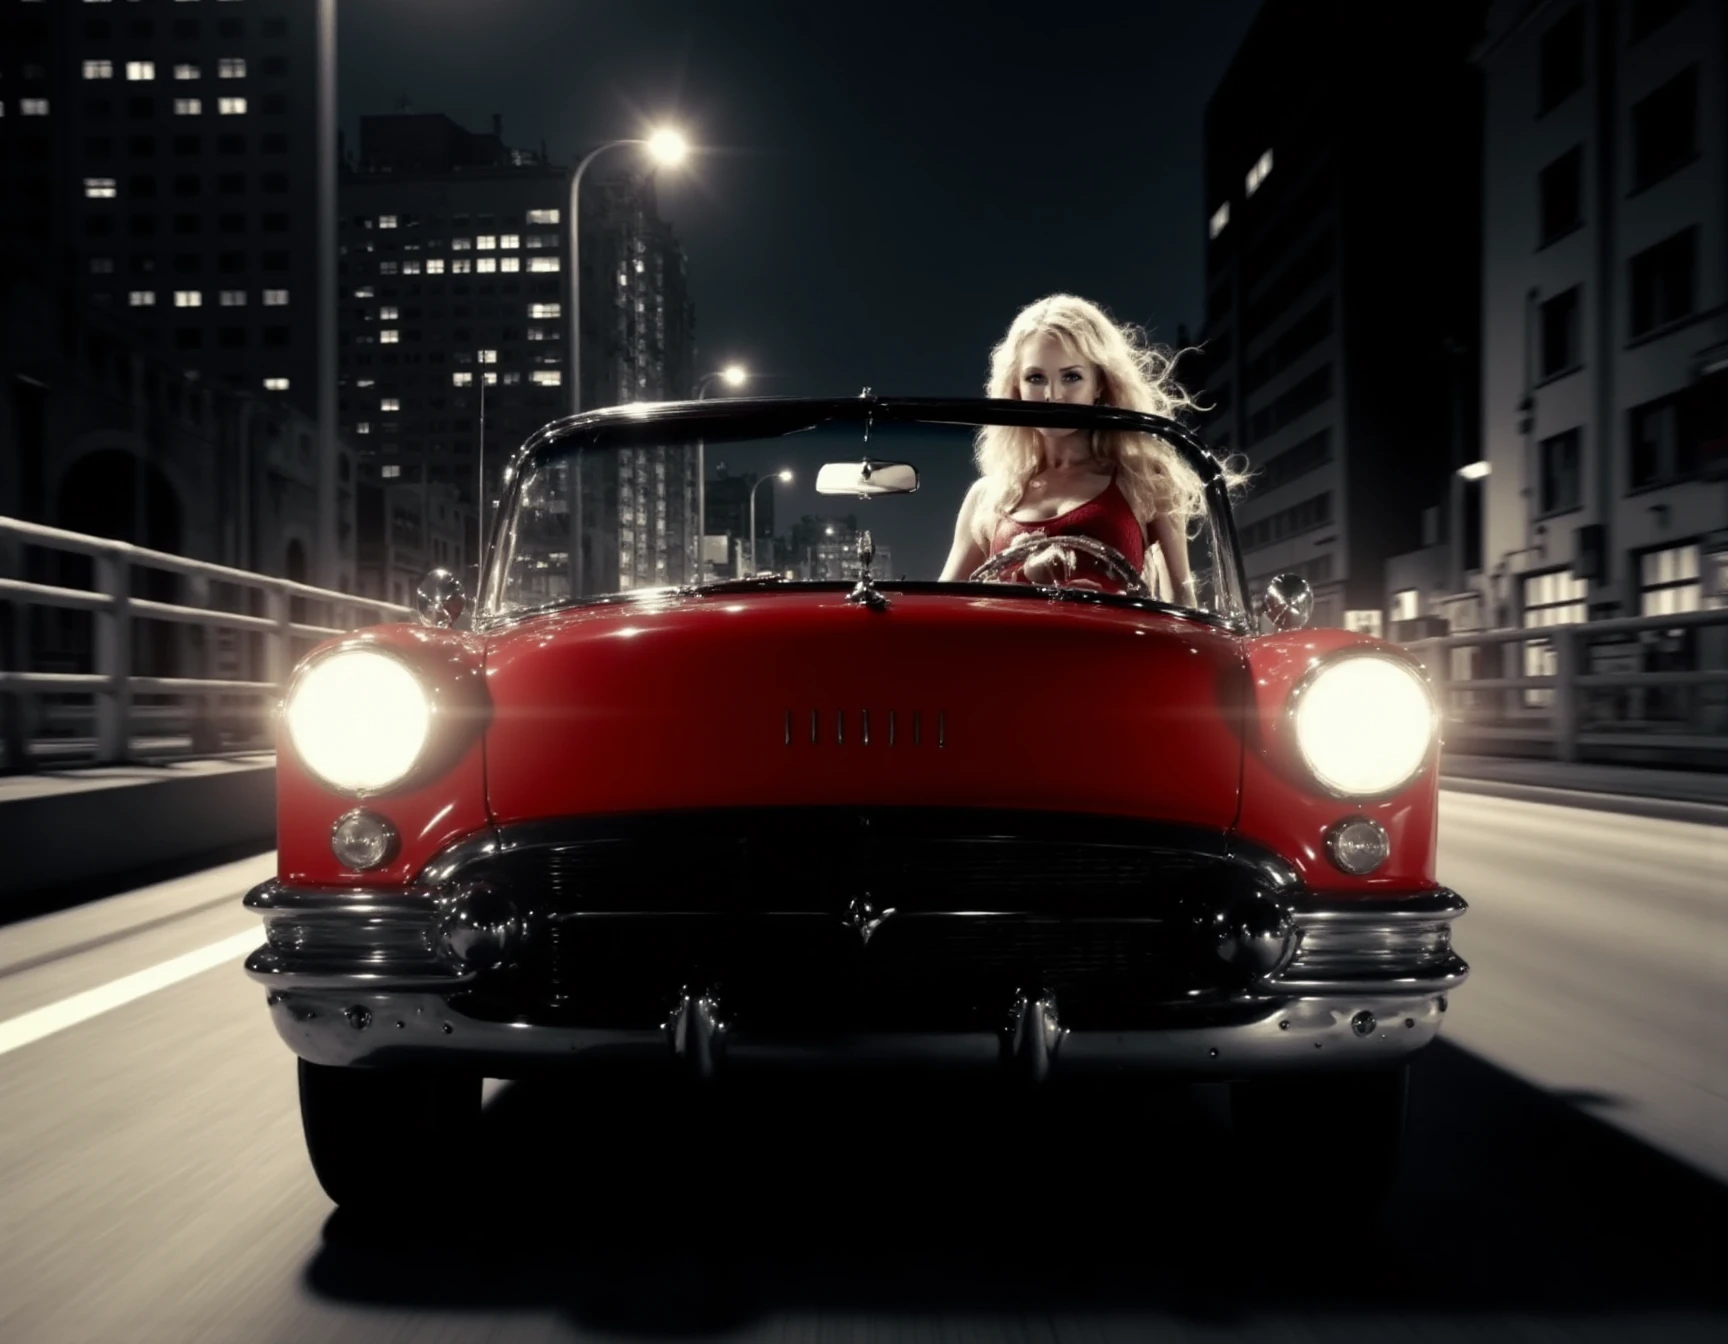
[(1106, 517)]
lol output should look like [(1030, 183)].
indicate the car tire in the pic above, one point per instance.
[(380, 1139), (1342, 1133)]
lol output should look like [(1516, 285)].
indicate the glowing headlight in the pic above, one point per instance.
[(359, 720), (1364, 725)]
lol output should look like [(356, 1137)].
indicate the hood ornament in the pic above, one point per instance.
[(863, 591)]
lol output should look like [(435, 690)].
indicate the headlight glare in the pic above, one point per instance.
[(359, 720), (1364, 724)]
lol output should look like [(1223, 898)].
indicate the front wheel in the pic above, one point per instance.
[(380, 1139), (1343, 1131)]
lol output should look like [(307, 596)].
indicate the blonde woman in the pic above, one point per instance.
[(1131, 491)]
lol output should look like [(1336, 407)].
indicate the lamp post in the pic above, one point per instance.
[(733, 375), (780, 475), (668, 148)]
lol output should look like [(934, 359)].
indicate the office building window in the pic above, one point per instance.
[(233, 298), (364, 427), (1261, 170), (140, 70), (389, 336), (1669, 581), (460, 266), (1561, 193), (462, 379), (98, 69), (231, 107), (186, 70), (543, 216), (390, 470), (275, 298), (509, 264), (435, 266), (1664, 281), (1560, 454), (1562, 343), (543, 263), (188, 107), (1406, 605), (1561, 72), (188, 298), (486, 242), (1550, 599), (1220, 218), (545, 310), (509, 241), (98, 188), (547, 378), (1663, 439), (142, 298), (275, 384), (389, 403), (488, 356), (231, 67), (32, 107), (386, 221), (1665, 129)]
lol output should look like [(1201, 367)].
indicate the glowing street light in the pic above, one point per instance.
[(778, 476), (668, 147)]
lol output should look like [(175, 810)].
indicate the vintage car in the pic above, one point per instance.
[(808, 813)]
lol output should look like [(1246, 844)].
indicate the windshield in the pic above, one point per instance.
[(586, 522)]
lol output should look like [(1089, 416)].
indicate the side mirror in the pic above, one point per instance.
[(867, 478), (440, 599), (1289, 602)]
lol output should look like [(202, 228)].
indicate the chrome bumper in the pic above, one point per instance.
[(1366, 985)]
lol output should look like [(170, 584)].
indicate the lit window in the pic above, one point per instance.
[(389, 404), (490, 379), (98, 69), (509, 240), (486, 242), (188, 298), (542, 216), (363, 382), (386, 268), (486, 265), (364, 427), (233, 298), (388, 313), (186, 70), (140, 69), (1670, 581), (187, 107), (435, 266), (461, 244), (231, 107), (142, 298), (1261, 170), (275, 384), (509, 263), (545, 310), (386, 221), (391, 471), (389, 336), (543, 263), (547, 377), (33, 107), (623, 279), (1220, 217), (536, 333), (488, 356), (511, 379), (462, 379), (275, 298), (411, 267), (231, 67), (461, 266), (640, 268), (98, 187)]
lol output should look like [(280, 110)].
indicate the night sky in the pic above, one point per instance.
[(879, 187)]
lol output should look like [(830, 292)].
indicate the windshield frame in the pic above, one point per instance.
[(642, 423)]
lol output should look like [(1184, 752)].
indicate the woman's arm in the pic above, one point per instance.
[(966, 554), (1174, 547)]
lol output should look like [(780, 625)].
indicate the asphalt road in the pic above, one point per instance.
[(153, 1184)]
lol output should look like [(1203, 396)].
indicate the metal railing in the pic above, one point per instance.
[(1639, 690), (131, 654)]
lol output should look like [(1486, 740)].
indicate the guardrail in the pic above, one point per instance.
[(1648, 689), (93, 669)]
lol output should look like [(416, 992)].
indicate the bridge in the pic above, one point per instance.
[(1569, 1133)]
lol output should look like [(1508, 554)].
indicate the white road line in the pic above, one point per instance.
[(33, 1026)]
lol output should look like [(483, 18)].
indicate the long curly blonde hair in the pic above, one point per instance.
[(1133, 374)]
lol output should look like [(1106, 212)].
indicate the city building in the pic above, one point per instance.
[(1605, 324), (163, 159), (407, 529), (727, 504), (1340, 214), (826, 549), (457, 321)]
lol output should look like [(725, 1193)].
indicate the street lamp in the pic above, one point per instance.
[(666, 147), (733, 375), (782, 476)]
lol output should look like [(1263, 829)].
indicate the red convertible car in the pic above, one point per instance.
[(811, 810)]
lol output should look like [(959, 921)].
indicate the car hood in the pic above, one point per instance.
[(803, 699)]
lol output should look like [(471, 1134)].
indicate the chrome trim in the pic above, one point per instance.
[(696, 1031), (439, 599), (1437, 903), (1289, 602), (864, 734), (269, 967), (1018, 551), (1293, 1035), (1391, 654), (274, 895)]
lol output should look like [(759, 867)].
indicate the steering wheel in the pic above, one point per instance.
[(1112, 559)]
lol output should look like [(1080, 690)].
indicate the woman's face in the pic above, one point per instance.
[(1051, 371)]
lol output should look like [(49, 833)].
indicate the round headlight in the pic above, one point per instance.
[(359, 720), (1364, 724)]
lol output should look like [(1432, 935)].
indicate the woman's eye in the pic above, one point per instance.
[(1071, 377), (1034, 377)]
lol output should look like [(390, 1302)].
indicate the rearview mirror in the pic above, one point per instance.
[(867, 478)]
